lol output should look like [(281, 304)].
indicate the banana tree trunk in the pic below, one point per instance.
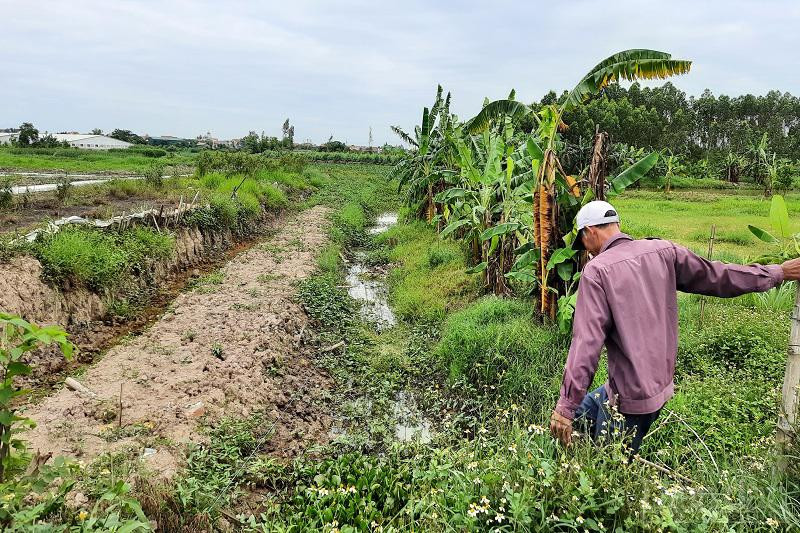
[(791, 384), (597, 168), (547, 230)]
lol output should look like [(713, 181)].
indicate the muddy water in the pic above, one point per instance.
[(411, 424), (368, 286), (384, 222)]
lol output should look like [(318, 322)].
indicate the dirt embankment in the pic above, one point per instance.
[(232, 348), (85, 314)]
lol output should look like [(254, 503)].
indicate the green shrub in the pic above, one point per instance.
[(154, 175), (83, 256), (6, 198), (495, 347), (735, 341), (100, 260), (12, 245)]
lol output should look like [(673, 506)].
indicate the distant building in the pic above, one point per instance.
[(6, 138), (89, 142), (356, 148), (207, 141), (170, 140)]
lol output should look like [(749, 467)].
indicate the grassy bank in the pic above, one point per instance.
[(488, 375)]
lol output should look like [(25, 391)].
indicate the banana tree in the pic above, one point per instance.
[(734, 165), (424, 169), (785, 246), (560, 272), (553, 188), (480, 208), (671, 166)]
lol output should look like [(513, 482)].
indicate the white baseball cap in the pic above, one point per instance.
[(594, 213)]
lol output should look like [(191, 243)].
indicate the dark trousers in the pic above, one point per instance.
[(594, 416)]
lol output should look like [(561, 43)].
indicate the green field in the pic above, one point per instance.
[(687, 216), (91, 161), (485, 372)]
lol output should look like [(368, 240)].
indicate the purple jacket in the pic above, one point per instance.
[(627, 300)]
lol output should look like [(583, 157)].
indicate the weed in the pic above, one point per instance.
[(208, 283), (252, 306), (266, 278), (326, 302), (98, 259), (214, 470), (218, 351), (154, 175), (64, 188)]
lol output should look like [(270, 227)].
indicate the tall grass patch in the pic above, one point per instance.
[(96, 259), (429, 280), (495, 348)]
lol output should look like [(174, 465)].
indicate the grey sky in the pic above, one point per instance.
[(337, 68)]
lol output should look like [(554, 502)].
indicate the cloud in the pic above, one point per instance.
[(337, 68)]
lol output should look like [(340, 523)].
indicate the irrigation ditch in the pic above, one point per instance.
[(367, 285)]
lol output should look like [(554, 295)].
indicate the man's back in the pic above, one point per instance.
[(627, 300)]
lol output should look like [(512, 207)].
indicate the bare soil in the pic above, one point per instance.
[(222, 349), (93, 203)]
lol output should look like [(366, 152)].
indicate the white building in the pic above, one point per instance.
[(89, 141), (86, 141)]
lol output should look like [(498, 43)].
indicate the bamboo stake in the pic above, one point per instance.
[(791, 386), (710, 253), (120, 405)]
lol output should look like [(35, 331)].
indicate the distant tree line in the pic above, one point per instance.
[(666, 118), (722, 137)]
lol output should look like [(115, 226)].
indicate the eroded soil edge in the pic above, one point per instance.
[(230, 348)]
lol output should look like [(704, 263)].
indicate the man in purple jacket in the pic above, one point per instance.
[(627, 301)]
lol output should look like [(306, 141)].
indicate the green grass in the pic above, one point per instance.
[(97, 259), (495, 349), (687, 216), (429, 280), (76, 160)]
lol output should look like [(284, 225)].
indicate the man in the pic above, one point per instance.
[(627, 300)]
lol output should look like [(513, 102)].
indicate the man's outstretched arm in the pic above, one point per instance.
[(698, 275), (590, 327)]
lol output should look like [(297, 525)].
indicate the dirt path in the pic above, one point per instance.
[(229, 347)]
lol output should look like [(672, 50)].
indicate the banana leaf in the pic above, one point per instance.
[(633, 174), (453, 226), (762, 234), (499, 230), (779, 216)]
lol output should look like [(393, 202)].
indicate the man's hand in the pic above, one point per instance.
[(791, 270), (561, 428)]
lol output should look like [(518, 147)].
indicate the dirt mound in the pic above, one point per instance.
[(230, 347)]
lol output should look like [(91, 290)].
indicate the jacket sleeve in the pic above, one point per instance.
[(698, 275), (589, 330)]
